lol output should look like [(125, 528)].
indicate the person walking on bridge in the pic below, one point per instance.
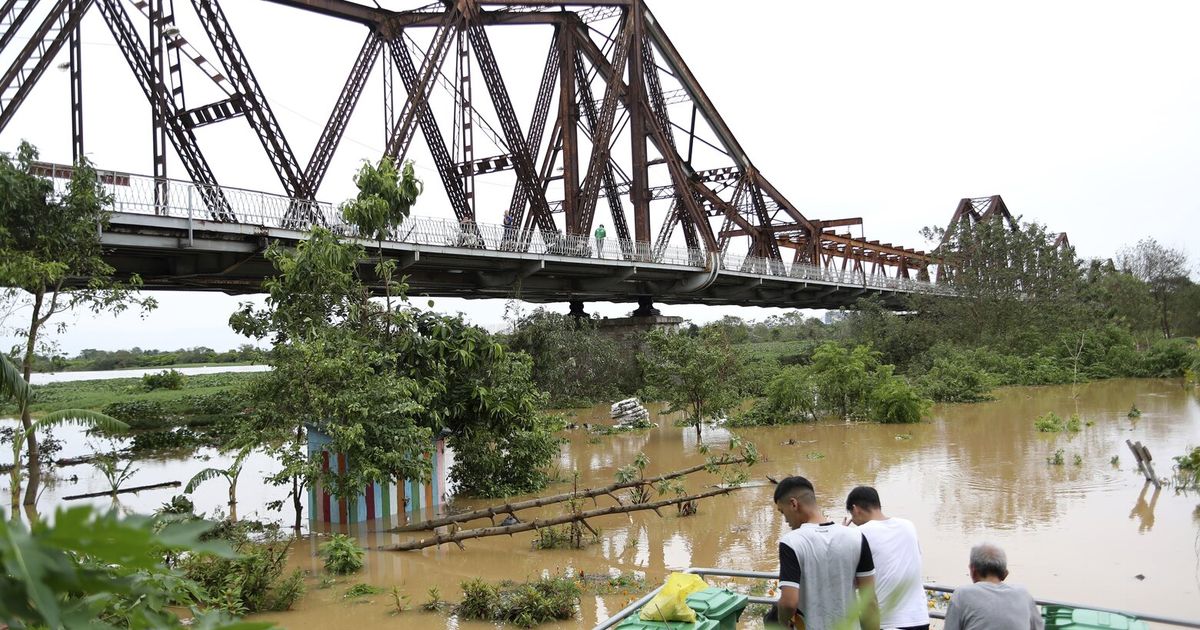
[(600, 234), (897, 557), (989, 603), (821, 564)]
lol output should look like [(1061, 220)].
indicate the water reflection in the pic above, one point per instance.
[(1145, 512)]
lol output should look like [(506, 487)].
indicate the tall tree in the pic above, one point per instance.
[(1162, 268), (696, 374), (51, 260)]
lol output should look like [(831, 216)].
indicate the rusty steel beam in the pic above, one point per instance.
[(789, 227), (184, 140), (418, 104), (37, 54), (12, 18), (258, 111), (522, 154), (339, 118), (342, 9)]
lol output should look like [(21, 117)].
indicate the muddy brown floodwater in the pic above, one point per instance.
[(973, 472)]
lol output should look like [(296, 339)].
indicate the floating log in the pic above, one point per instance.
[(510, 508), (457, 537), (153, 486)]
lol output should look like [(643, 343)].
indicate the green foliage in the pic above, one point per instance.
[(342, 555), (1049, 422), (1074, 424), (89, 567), (166, 379), (141, 414), (952, 377), (385, 198), (525, 605), (1057, 459), (1187, 469), (894, 401), (1134, 412), (48, 238), (114, 474), (694, 374), (434, 602), (362, 590), (254, 580), (1115, 460), (381, 381), (1078, 459), (572, 361), (399, 600), (92, 360)]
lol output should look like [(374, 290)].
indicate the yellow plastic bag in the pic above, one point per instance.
[(671, 602)]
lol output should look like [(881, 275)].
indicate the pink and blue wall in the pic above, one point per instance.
[(401, 500)]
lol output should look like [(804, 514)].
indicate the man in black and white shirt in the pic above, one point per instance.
[(821, 563)]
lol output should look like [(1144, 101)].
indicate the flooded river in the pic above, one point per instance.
[(973, 472)]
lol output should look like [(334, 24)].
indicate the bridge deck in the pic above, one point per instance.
[(179, 245)]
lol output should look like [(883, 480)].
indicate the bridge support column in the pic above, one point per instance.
[(577, 309), (646, 308)]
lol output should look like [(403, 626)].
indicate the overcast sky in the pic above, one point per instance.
[(1084, 115)]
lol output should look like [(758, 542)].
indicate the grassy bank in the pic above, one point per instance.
[(99, 394)]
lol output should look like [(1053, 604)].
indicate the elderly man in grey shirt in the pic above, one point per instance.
[(989, 603)]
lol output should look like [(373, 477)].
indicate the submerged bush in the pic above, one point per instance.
[(894, 401), (254, 581), (140, 414), (166, 379), (1049, 422), (526, 605), (342, 555)]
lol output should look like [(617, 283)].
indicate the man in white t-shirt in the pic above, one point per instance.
[(821, 564), (897, 556)]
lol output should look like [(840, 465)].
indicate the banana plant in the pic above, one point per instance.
[(13, 387), (230, 474)]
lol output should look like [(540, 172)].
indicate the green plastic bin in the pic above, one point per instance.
[(634, 623), (1064, 618), (718, 604)]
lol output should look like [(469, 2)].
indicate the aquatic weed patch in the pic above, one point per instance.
[(524, 604)]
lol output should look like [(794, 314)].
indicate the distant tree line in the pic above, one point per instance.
[(99, 360), (1028, 312)]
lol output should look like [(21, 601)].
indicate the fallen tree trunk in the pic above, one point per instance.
[(510, 508), (92, 495), (457, 537)]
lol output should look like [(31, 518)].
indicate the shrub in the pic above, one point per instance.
[(526, 605), (1049, 422), (166, 379), (181, 437), (342, 555), (251, 582), (1169, 358), (140, 414), (953, 377), (894, 401), (1057, 459), (1074, 424)]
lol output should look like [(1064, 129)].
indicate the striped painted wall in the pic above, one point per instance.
[(405, 498)]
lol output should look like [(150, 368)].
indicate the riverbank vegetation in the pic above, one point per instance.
[(92, 360)]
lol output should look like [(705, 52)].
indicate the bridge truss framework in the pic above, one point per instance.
[(619, 126)]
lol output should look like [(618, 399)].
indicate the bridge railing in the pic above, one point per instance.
[(175, 198)]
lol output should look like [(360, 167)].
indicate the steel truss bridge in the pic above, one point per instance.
[(620, 133)]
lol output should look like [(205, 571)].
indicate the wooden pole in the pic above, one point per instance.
[(1147, 458), (92, 495), (457, 537), (1137, 457), (510, 508)]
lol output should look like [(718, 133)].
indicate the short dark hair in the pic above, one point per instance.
[(865, 497), (789, 485)]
